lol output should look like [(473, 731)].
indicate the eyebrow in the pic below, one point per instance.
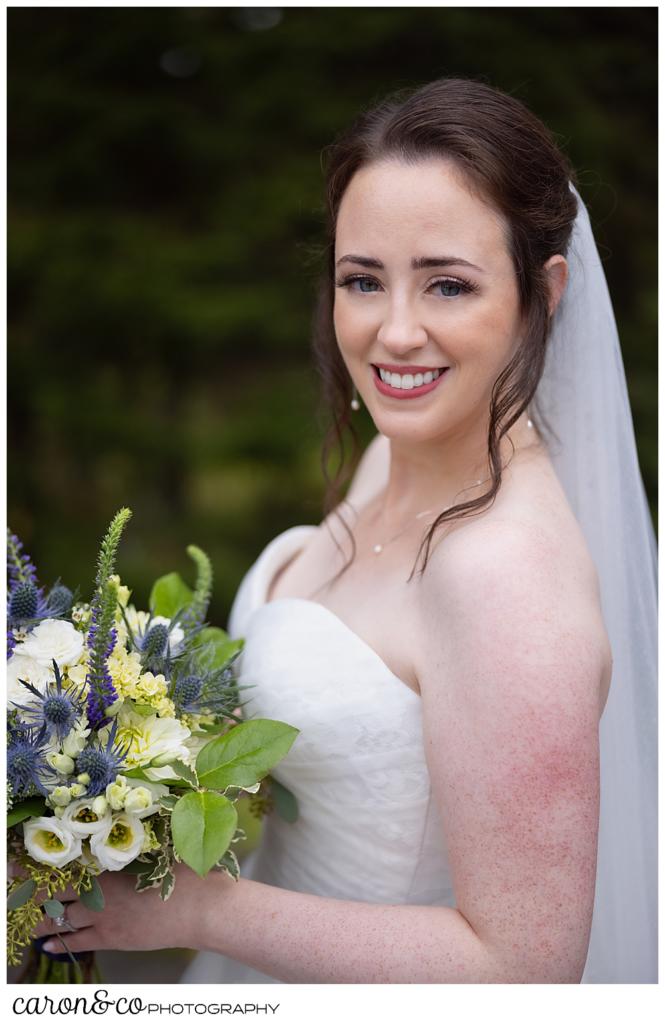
[(417, 263)]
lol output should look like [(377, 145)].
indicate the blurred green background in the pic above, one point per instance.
[(165, 204)]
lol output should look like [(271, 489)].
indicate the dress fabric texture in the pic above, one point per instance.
[(368, 826)]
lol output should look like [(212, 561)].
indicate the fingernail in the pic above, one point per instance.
[(49, 947)]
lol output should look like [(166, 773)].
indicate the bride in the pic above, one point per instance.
[(446, 638)]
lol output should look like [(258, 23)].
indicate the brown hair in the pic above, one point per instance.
[(508, 156)]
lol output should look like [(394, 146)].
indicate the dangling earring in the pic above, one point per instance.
[(355, 404)]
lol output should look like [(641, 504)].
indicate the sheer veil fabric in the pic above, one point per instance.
[(584, 399)]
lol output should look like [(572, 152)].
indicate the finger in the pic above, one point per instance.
[(75, 914), (83, 941)]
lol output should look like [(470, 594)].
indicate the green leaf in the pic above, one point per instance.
[(146, 881), (168, 884), (183, 771), (136, 867), (168, 802), (215, 647), (245, 754), (169, 594), (32, 808), (284, 801), (229, 863), (22, 894), (93, 898), (203, 825), (53, 908), (143, 709)]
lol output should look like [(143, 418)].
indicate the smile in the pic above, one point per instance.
[(407, 385)]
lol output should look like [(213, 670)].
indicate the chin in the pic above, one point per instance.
[(411, 428)]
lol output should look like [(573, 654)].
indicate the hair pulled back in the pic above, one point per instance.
[(509, 158)]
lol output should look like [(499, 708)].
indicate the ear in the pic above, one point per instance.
[(556, 272)]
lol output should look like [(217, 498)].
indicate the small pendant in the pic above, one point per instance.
[(378, 548)]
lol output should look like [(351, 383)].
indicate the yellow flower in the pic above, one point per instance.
[(125, 669), (123, 591), (153, 689)]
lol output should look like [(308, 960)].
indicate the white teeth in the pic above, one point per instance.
[(404, 382)]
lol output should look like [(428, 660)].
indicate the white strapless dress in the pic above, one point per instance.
[(368, 827)]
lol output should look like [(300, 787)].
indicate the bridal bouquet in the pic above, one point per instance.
[(126, 748)]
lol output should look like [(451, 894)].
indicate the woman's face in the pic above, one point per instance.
[(424, 284)]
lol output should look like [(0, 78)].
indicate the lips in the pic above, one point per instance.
[(403, 394), (410, 368)]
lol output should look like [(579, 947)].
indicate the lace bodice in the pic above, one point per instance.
[(368, 827)]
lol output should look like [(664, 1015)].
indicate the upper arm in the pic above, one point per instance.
[(510, 706)]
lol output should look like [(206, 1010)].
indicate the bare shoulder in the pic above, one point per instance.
[(509, 676), (521, 590)]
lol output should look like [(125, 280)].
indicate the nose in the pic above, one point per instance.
[(401, 329)]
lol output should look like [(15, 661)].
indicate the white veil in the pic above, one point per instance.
[(583, 397)]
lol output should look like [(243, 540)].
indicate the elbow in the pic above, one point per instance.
[(555, 969)]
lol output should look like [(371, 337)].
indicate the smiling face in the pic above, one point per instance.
[(424, 280)]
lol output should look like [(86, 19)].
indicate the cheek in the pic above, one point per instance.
[(350, 328)]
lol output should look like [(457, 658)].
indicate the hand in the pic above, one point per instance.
[(138, 920)]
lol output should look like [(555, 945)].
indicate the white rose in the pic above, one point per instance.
[(54, 638), (80, 818), (119, 843), (21, 666), (48, 841)]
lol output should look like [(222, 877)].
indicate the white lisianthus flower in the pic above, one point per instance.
[(148, 737), (60, 796), (54, 638), (143, 799), (21, 666), (61, 762), (82, 821), (50, 841), (116, 792), (75, 740), (119, 843)]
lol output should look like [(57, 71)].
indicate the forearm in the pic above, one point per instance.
[(300, 938)]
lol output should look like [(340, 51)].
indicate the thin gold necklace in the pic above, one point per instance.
[(378, 548)]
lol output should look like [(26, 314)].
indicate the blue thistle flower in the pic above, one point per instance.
[(186, 693), (27, 768), (206, 692), (58, 709), (102, 763), (154, 642), (59, 601), (11, 643)]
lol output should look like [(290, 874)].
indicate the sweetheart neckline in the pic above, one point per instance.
[(340, 622)]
